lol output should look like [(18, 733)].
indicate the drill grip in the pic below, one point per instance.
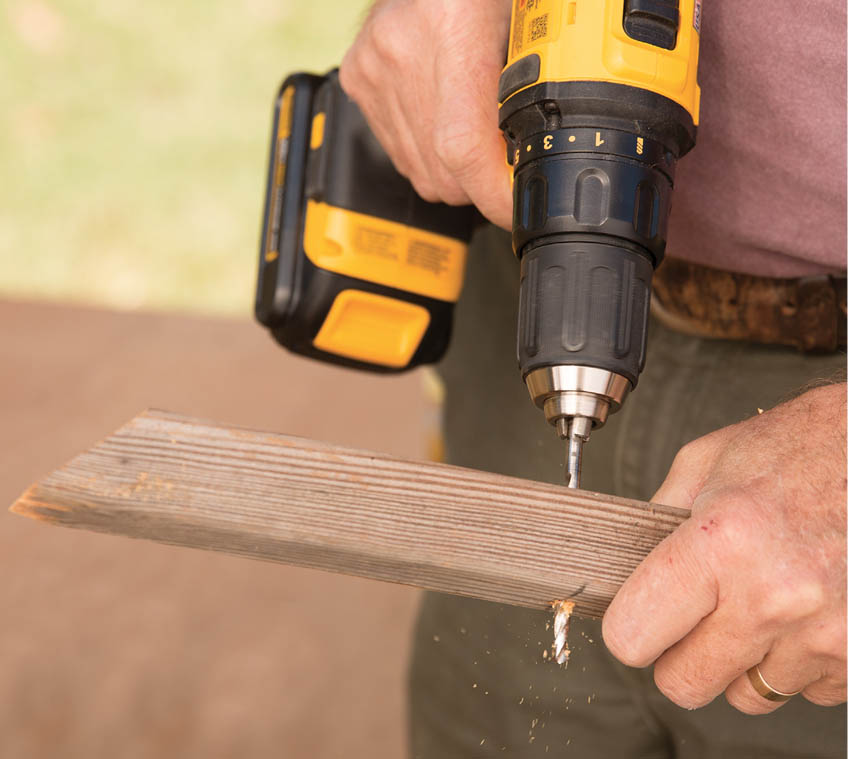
[(584, 302)]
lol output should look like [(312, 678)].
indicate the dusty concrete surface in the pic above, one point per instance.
[(116, 648)]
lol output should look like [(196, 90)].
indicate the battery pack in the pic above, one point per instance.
[(355, 268)]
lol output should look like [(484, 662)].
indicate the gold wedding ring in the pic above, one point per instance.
[(764, 689)]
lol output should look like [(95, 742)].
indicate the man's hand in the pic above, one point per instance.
[(756, 576), (425, 74)]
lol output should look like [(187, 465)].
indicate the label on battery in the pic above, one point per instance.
[(369, 241), (426, 255), (385, 252), (402, 247)]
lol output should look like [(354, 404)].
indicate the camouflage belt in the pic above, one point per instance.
[(807, 313)]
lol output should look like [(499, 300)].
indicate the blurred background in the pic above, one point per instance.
[(132, 157), (135, 139)]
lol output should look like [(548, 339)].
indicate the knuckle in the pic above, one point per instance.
[(439, 187), (828, 639), (425, 189), (678, 688), (810, 595), (449, 191), (691, 451), (736, 533), (729, 532), (790, 599), (692, 454), (354, 76), (455, 197), (386, 37), (747, 704), (456, 149), (776, 606), (825, 693)]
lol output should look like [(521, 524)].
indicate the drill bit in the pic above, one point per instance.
[(573, 460), (576, 432), (562, 615)]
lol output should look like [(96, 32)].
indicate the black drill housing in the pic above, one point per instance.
[(594, 171)]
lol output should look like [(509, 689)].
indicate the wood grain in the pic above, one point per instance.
[(267, 496)]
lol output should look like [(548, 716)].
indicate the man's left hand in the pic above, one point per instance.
[(757, 575)]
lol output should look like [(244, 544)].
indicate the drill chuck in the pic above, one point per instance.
[(568, 391), (576, 400)]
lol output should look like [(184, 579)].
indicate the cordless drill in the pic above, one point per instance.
[(598, 100)]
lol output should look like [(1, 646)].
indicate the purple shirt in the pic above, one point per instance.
[(763, 191)]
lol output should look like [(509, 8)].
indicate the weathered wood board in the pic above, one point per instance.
[(268, 496)]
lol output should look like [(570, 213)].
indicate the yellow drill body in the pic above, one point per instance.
[(598, 101)]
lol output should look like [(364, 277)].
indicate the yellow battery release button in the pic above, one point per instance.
[(316, 137), (373, 328)]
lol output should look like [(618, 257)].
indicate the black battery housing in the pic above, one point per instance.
[(349, 171)]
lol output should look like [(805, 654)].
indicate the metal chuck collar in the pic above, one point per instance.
[(576, 400)]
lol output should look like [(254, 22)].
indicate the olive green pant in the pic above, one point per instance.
[(479, 684)]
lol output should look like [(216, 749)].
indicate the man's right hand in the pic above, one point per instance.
[(425, 74)]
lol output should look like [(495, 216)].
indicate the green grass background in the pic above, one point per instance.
[(134, 141)]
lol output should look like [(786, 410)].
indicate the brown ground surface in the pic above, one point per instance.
[(118, 648)]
